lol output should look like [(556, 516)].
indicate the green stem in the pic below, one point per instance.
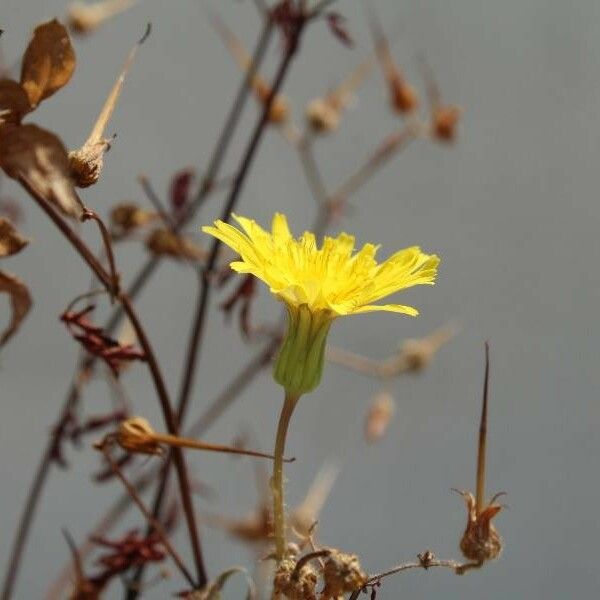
[(277, 480)]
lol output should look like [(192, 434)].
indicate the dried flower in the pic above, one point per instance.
[(319, 284), (292, 583), (342, 574), (165, 242), (86, 162), (136, 435), (480, 541), (128, 216), (86, 18)]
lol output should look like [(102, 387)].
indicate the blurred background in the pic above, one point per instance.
[(511, 208)]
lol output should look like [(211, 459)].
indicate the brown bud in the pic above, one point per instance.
[(379, 416), (322, 116), (294, 584), (136, 435), (404, 98), (165, 242), (342, 574), (128, 216), (85, 163), (86, 18), (480, 541), (445, 122)]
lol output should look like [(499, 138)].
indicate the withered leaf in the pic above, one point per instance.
[(14, 103), (39, 159), (20, 302), (11, 241), (48, 62), (164, 242)]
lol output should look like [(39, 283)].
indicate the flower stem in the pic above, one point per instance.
[(277, 480)]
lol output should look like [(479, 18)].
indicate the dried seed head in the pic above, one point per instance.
[(445, 122), (379, 416), (136, 435), (294, 584), (127, 216), (322, 116), (404, 98), (164, 242), (86, 18), (480, 541), (85, 163), (342, 574)]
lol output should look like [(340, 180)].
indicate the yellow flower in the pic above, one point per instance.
[(319, 284)]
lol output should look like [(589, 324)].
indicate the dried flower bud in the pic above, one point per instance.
[(322, 116), (127, 216), (86, 18), (164, 242), (342, 574), (480, 541), (279, 112), (136, 435), (445, 122), (404, 97), (379, 416), (86, 163), (294, 584)]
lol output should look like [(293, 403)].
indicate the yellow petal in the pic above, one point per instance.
[(397, 308)]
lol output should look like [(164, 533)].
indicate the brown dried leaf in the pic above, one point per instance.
[(164, 242), (11, 241), (87, 162), (39, 160), (14, 103), (48, 62), (20, 301)]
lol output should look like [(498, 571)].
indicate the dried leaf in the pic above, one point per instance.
[(39, 159), (379, 416), (164, 242), (48, 62), (14, 103), (86, 18), (11, 241), (87, 162), (20, 302)]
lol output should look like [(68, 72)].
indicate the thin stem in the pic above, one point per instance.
[(156, 201), (139, 282), (480, 486), (88, 215), (422, 564), (172, 440), (157, 526), (277, 483), (153, 366), (193, 348)]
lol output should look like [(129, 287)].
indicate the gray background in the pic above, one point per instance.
[(512, 210)]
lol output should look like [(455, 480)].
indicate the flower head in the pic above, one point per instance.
[(330, 278), (319, 284)]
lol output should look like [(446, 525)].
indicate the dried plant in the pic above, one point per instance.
[(316, 282)]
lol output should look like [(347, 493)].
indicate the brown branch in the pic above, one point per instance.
[(156, 526), (139, 282)]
